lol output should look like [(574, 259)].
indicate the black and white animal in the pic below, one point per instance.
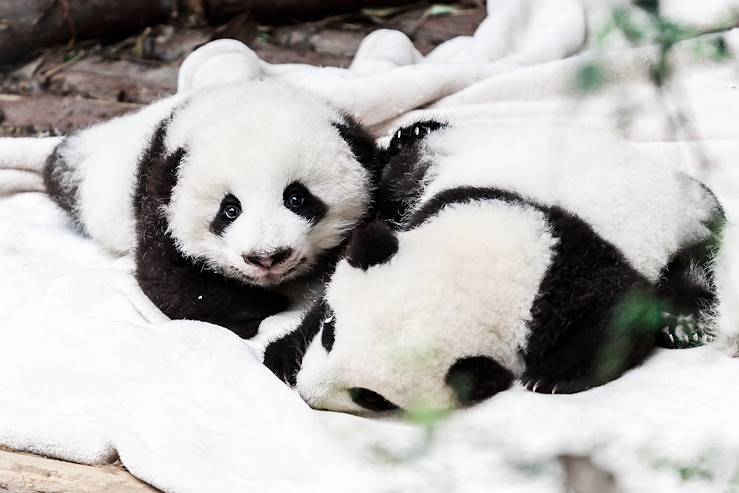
[(513, 254), (229, 198)]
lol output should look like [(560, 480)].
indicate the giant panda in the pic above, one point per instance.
[(230, 199), (507, 252)]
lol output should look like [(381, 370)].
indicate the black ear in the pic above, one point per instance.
[(157, 169), (372, 244), (362, 144), (476, 378)]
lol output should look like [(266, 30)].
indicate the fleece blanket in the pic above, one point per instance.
[(91, 371)]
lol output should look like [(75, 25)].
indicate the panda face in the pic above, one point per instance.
[(439, 322), (266, 183)]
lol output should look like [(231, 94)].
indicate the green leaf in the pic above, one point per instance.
[(381, 12), (721, 51), (651, 6), (624, 23), (439, 10), (590, 78), (426, 416)]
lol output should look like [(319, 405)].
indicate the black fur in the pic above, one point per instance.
[(461, 195), (409, 135), (328, 335), (221, 222), (312, 209), (181, 287), (62, 183), (372, 244), (688, 286), (594, 316), (284, 356), (362, 145), (476, 378), (577, 339), (403, 170)]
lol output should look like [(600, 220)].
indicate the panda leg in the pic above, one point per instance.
[(687, 286), (683, 331), (587, 361), (410, 134)]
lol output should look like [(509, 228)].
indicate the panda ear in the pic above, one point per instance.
[(361, 143), (372, 244)]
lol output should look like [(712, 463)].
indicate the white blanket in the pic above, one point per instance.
[(89, 370)]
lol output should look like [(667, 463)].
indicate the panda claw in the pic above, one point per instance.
[(554, 389)]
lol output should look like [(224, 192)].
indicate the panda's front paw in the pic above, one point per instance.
[(682, 331), (410, 134)]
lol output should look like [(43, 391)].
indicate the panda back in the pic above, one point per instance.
[(647, 209)]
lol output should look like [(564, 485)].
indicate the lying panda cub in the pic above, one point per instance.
[(513, 255), (229, 198)]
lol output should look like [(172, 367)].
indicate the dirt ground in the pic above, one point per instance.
[(64, 88)]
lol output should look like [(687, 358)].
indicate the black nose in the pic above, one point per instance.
[(269, 260)]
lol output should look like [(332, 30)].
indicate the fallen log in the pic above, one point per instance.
[(26, 25), (23, 473), (285, 9), (44, 113)]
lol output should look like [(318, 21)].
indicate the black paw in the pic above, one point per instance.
[(683, 331), (408, 135), (555, 386)]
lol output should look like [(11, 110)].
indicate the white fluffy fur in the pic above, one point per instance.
[(463, 283), (621, 197), (274, 135), (471, 305), (105, 158), (248, 139)]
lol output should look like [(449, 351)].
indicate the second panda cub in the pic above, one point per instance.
[(557, 257), (229, 198)]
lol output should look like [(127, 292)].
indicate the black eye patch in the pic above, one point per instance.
[(299, 200), (371, 400), (228, 212), (477, 377)]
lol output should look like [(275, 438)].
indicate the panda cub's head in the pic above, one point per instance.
[(269, 178), (405, 326)]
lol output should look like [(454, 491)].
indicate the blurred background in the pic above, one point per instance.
[(65, 64)]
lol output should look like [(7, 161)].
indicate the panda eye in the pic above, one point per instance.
[(295, 200), (298, 199), (231, 212), (371, 400)]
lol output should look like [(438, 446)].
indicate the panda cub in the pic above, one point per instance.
[(230, 199), (508, 252)]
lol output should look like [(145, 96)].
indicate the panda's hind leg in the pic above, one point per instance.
[(688, 289)]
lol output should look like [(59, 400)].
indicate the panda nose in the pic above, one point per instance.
[(268, 260)]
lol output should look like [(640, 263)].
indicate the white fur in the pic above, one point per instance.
[(565, 166), (458, 303), (274, 135), (247, 139), (463, 283), (105, 158)]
